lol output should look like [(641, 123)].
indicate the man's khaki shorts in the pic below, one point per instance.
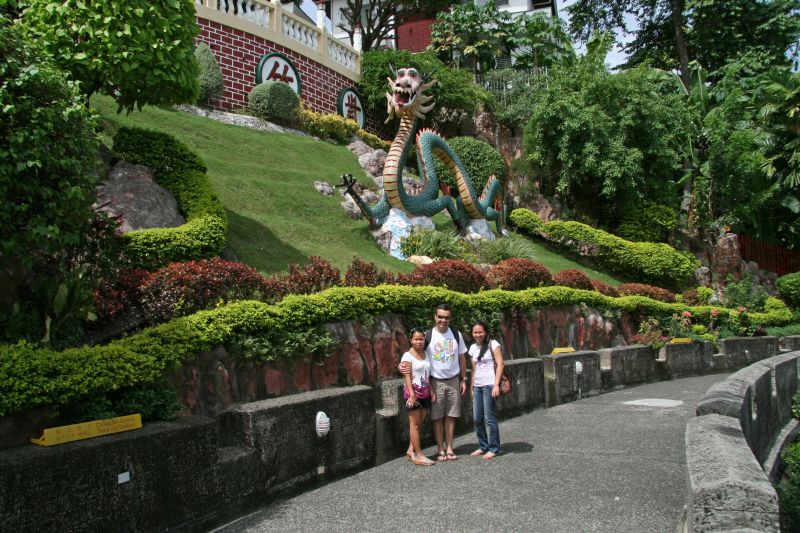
[(448, 399)]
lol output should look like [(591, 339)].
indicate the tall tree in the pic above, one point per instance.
[(380, 18)]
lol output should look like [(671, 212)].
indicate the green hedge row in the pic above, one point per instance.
[(182, 172), (32, 377), (649, 262)]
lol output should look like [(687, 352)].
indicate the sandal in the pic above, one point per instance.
[(409, 456), (477, 452), (424, 461), (490, 455), (442, 456), (451, 456)]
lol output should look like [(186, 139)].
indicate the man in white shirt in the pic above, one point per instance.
[(446, 350)]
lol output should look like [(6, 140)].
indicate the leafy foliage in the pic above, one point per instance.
[(364, 274), (478, 158), (138, 52), (317, 275), (649, 222), (274, 101), (434, 244), (47, 158), (744, 293), (211, 83), (328, 125), (604, 288), (513, 92), (604, 142), (454, 274), (493, 252), (519, 273), (122, 292), (789, 288)]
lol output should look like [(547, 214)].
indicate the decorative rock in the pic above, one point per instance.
[(373, 162), (351, 208), (420, 260), (371, 197), (131, 193), (479, 229), (324, 188), (397, 226), (728, 256), (702, 276), (359, 147)]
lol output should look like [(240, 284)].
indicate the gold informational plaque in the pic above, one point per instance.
[(88, 430), (566, 349), (681, 340)]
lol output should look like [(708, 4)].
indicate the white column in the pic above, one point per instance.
[(321, 14), (357, 37)]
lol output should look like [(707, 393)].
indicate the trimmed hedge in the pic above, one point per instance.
[(650, 262), (181, 172), (32, 377), (274, 101), (336, 128)]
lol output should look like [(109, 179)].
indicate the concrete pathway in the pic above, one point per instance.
[(610, 463)]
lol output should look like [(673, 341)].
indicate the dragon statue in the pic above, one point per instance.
[(407, 100)]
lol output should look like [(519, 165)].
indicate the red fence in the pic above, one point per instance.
[(768, 256)]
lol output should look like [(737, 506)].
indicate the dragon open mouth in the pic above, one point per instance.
[(403, 97)]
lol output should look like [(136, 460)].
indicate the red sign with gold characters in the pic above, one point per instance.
[(349, 105), (278, 67)]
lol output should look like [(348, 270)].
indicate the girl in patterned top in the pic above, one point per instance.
[(417, 393)]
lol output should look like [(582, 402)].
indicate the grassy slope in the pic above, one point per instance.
[(266, 182)]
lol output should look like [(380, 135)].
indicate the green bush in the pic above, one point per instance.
[(182, 172), (211, 83), (744, 293), (328, 125), (274, 101), (650, 222), (479, 160), (788, 487), (492, 252), (789, 288), (655, 263), (31, 377), (434, 244)]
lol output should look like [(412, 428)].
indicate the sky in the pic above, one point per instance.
[(614, 58)]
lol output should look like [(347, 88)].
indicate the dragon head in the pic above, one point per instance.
[(406, 96)]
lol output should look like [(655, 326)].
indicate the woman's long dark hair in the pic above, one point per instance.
[(486, 340)]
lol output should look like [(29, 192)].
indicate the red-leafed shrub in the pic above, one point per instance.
[(604, 288), (640, 289), (315, 276), (518, 273), (184, 288), (573, 278), (455, 274), (363, 274), (691, 297), (112, 296)]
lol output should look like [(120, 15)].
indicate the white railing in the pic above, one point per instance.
[(284, 28)]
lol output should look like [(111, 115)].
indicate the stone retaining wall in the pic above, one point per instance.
[(733, 445), (198, 471)]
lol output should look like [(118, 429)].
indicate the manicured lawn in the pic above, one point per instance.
[(266, 182)]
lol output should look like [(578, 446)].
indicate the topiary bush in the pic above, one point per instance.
[(604, 288), (454, 274), (650, 222), (274, 101), (573, 278), (184, 288), (641, 289), (519, 273), (478, 158), (211, 82), (789, 288), (182, 172)]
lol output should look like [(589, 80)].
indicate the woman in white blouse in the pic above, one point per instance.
[(487, 369)]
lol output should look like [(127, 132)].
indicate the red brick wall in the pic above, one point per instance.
[(415, 35), (238, 54)]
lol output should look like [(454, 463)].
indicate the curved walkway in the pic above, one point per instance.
[(600, 464)]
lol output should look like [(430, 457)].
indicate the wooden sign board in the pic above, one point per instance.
[(88, 430)]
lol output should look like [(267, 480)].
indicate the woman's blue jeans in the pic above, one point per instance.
[(484, 406)]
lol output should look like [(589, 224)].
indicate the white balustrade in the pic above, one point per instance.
[(341, 54), (300, 31)]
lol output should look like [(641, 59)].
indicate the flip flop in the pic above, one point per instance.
[(410, 456), (442, 456), (452, 457), (477, 452), (424, 462), (490, 455)]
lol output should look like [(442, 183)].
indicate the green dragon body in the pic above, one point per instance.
[(408, 101)]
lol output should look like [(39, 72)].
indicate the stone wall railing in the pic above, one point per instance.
[(200, 470), (268, 20), (733, 446)]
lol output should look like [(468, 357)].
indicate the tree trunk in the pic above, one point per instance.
[(680, 39)]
